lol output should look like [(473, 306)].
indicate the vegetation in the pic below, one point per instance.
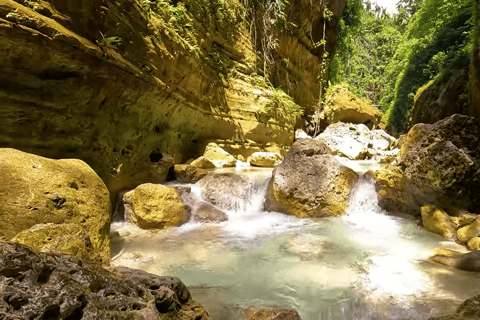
[(387, 58)]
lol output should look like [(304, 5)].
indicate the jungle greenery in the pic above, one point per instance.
[(386, 58)]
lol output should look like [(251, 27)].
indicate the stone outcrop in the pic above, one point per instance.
[(442, 97), (120, 83), (357, 142), (344, 106), (36, 190), (154, 206), (265, 159), (438, 164), (310, 182), (52, 286)]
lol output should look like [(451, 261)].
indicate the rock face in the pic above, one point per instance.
[(154, 206), (36, 190), (116, 83), (265, 159), (443, 97), (438, 164), (344, 106), (356, 141), (310, 182), (67, 238), (51, 286), (226, 190)]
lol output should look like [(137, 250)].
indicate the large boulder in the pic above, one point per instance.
[(52, 286), (265, 159), (355, 141), (36, 190), (344, 106), (154, 206), (205, 212), (310, 182), (203, 163), (226, 190), (438, 164), (66, 238)]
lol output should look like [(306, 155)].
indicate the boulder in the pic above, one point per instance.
[(310, 182), (36, 190), (188, 173), (474, 243), (344, 106), (154, 206), (270, 313), (226, 190), (265, 159), (53, 286), (469, 231), (464, 219), (300, 134), (438, 221), (468, 310), (219, 157), (469, 261), (206, 212), (439, 164), (203, 163), (66, 238), (355, 141)]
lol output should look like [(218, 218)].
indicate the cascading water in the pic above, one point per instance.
[(364, 265)]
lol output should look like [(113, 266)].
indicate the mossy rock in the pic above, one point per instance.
[(265, 159), (218, 156), (438, 221), (188, 173), (67, 238), (154, 206), (465, 234), (203, 163), (37, 190), (310, 183)]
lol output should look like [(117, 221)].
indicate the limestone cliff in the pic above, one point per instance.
[(117, 83)]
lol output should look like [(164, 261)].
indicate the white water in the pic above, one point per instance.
[(364, 265)]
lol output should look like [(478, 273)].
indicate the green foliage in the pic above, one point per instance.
[(33, 5), (111, 41), (437, 35), (281, 108), (368, 39)]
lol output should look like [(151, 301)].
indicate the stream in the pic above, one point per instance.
[(364, 265)]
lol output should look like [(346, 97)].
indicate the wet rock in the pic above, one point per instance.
[(36, 190), (469, 231), (439, 164), (438, 221), (310, 182), (469, 261), (265, 159), (388, 156), (344, 106), (474, 243), (154, 206), (226, 190), (464, 219), (219, 157), (271, 313), (52, 286), (203, 163), (355, 141), (66, 238), (206, 212), (468, 310), (188, 173)]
